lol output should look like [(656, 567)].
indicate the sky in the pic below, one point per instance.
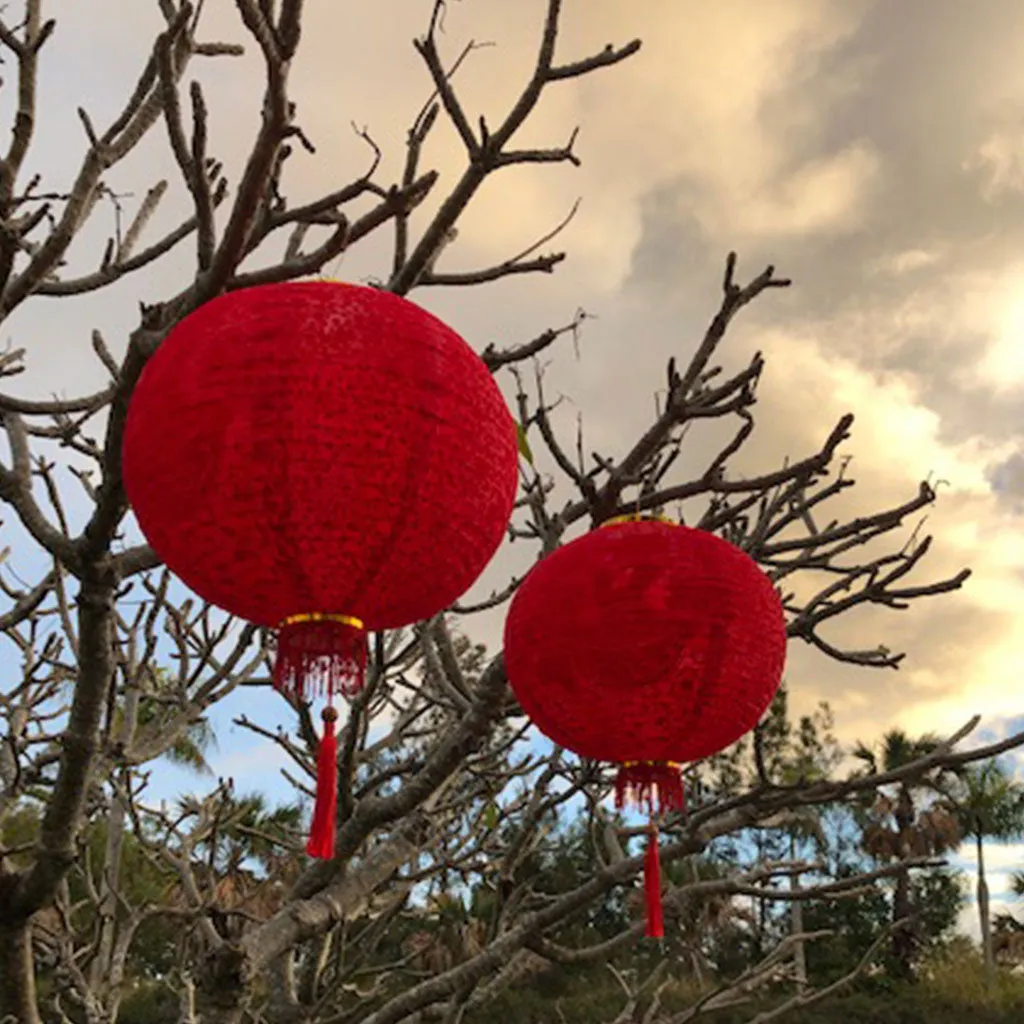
[(872, 151)]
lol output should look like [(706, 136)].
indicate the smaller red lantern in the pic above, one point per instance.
[(647, 644)]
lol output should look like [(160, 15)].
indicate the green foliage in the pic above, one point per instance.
[(990, 802), (938, 899), (149, 1002), (957, 974), (952, 991), (804, 753), (916, 818), (788, 754), (19, 829), (855, 923), (142, 883)]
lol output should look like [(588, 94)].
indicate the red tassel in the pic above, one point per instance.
[(320, 656), (658, 785), (652, 888), (321, 833)]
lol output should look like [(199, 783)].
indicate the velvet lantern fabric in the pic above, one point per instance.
[(323, 459), (645, 641), (647, 644)]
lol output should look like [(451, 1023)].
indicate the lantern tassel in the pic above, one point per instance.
[(320, 655), (323, 828), (658, 785), (652, 888)]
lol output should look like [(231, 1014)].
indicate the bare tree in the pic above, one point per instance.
[(96, 702)]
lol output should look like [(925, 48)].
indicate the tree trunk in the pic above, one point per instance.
[(21, 896), (983, 913), (903, 940), (102, 977), (762, 906), (17, 974), (797, 925), (903, 943)]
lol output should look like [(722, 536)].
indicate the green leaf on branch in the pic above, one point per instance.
[(491, 816), (524, 445)]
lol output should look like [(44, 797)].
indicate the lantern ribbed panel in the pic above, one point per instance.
[(320, 447), (645, 642)]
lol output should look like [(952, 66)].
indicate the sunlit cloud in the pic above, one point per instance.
[(999, 163), (1002, 365), (906, 262)]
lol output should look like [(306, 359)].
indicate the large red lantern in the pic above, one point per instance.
[(321, 459), (647, 644)]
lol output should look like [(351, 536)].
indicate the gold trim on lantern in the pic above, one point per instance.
[(668, 764), (345, 620), (639, 517)]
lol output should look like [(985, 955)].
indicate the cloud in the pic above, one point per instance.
[(897, 212), (905, 262), (826, 194), (1000, 161), (1002, 365), (1001, 860)]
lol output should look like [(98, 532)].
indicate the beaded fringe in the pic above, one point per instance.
[(320, 659), (656, 785)]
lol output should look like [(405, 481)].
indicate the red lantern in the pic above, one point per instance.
[(647, 644), (321, 459)]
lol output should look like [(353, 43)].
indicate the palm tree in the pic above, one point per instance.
[(245, 864), (190, 748), (250, 832), (991, 806), (897, 828), (144, 715)]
